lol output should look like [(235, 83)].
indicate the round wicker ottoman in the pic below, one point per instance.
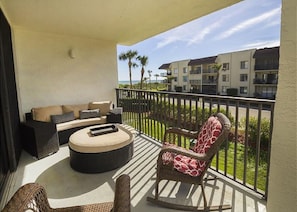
[(100, 153)]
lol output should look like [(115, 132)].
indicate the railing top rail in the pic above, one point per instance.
[(242, 99)]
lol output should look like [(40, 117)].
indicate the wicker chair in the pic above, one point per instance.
[(33, 197), (190, 165)]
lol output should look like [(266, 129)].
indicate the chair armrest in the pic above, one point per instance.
[(171, 134), (185, 152), (31, 195), (122, 202)]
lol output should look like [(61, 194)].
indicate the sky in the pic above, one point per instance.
[(246, 25)]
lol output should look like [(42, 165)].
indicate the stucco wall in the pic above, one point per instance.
[(282, 178), (47, 75)]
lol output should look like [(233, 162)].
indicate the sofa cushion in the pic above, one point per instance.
[(75, 109), (80, 123), (62, 118), (44, 113), (85, 114), (103, 106)]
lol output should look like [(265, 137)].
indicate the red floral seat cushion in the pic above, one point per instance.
[(206, 137)]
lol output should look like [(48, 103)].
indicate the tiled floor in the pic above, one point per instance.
[(66, 187)]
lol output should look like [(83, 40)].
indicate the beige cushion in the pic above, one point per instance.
[(80, 123), (75, 109), (81, 141), (44, 113), (103, 106)]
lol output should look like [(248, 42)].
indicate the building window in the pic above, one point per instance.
[(185, 70), (184, 87), (225, 66), (243, 64), (185, 78), (243, 77), (225, 77), (175, 71), (243, 90)]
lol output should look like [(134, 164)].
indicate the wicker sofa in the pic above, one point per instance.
[(48, 127)]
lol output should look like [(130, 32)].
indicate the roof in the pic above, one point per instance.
[(205, 60), (122, 22), (267, 52), (165, 66)]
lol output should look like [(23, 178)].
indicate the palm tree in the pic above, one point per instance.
[(217, 68), (156, 75), (143, 61), (150, 74), (129, 55)]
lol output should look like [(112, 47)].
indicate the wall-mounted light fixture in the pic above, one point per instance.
[(71, 53)]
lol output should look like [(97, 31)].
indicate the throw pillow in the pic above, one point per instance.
[(85, 114), (62, 118), (103, 106)]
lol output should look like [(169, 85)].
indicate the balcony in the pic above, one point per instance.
[(66, 187), (147, 114), (266, 67), (197, 71), (265, 82), (209, 71)]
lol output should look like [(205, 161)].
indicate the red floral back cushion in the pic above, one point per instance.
[(207, 136)]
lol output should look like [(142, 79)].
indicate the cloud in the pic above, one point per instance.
[(201, 34), (250, 23), (262, 44)]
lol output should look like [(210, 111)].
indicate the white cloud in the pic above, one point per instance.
[(250, 23), (262, 44), (201, 34)]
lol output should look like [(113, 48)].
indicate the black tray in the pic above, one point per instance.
[(103, 130)]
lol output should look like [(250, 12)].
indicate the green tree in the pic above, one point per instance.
[(129, 55), (150, 75), (143, 61)]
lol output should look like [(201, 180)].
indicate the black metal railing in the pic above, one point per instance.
[(246, 153)]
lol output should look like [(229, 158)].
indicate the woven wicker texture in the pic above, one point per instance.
[(32, 197)]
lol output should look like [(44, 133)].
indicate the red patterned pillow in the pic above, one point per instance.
[(208, 135)]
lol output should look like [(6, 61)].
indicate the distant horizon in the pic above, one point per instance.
[(135, 81)]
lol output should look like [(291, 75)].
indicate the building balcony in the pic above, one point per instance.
[(265, 82), (66, 187), (247, 177), (195, 71), (266, 67)]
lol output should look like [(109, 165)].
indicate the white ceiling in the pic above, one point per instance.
[(125, 22)]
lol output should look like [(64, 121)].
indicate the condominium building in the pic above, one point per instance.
[(247, 73)]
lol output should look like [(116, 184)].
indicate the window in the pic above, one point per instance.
[(184, 87), (225, 66), (185, 78), (243, 64), (243, 90), (175, 71), (225, 77), (185, 70), (243, 77)]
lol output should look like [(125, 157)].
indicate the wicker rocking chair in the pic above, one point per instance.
[(190, 165), (33, 197)]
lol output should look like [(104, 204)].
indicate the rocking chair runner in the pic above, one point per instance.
[(189, 166)]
